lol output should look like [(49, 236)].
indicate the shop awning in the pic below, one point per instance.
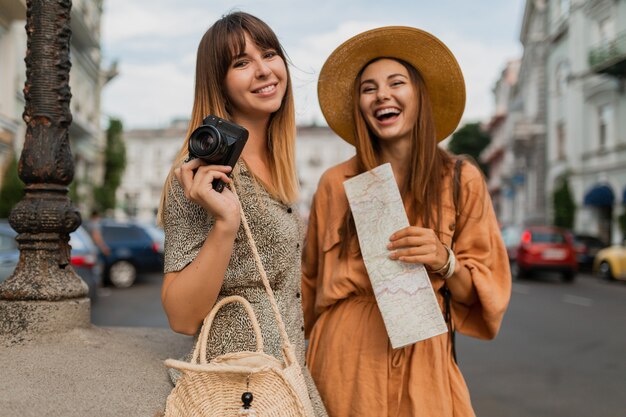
[(600, 196)]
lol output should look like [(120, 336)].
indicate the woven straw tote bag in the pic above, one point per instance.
[(252, 384)]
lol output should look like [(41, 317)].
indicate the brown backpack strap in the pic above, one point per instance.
[(456, 195), (445, 291)]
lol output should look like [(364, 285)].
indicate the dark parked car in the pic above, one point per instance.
[(586, 249), (84, 256), (135, 248), (540, 248), (9, 254), (86, 261)]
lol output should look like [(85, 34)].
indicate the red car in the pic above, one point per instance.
[(540, 248)]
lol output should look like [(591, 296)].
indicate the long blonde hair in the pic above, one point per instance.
[(423, 186), (224, 40)]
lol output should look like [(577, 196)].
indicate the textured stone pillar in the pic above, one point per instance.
[(44, 289)]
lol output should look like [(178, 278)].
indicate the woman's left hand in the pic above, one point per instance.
[(418, 245)]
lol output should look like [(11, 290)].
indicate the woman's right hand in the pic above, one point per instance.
[(197, 178)]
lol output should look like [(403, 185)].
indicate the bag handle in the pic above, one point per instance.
[(199, 351), (287, 347)]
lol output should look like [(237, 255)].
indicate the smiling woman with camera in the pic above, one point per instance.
[(242, 80)]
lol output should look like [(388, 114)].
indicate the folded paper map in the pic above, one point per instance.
[(403, 291)]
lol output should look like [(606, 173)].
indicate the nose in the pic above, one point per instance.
[(382, 94), (262, 70)]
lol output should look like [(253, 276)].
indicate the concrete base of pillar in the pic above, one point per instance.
[(89, 372), (24, 320)]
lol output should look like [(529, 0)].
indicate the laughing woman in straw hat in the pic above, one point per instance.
[(394, 93)]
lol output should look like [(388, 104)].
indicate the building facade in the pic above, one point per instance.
[(149, 157), (516, 156), (12, 70), (499, 154), (586, 118), (318, 148), (87, 79), (151, 152), (564, 118), (527, 117)]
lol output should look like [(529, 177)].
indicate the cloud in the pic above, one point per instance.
[(308, 56), (149, 96), (480, 62), (125, 20), (156, 40)]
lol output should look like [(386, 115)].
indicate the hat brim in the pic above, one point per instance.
[(430, 57)]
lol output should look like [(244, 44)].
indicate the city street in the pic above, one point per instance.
[(561, 351)]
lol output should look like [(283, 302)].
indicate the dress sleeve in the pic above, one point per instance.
[(310, 257), (186, 226), (479, 249)]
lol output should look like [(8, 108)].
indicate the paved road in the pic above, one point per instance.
[(137, 306), (561, 351)]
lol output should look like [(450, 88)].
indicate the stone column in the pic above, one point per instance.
[(44, 293)]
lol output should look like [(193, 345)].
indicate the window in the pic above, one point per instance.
[(547, 237), (605, 116), (561, 141), (561, 75), (562, 9), (605, 31)]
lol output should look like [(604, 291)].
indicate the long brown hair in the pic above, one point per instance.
[(224, 40), (423, 186)]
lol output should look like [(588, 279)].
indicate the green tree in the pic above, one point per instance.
[(470, 140), (564, 206), (114, 165), (12, 189)]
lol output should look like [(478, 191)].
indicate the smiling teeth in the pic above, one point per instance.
[(267, 89), (388, 110)]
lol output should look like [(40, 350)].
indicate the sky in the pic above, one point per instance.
[(154, 43)]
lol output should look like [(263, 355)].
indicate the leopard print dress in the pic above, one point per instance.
[(278, 233)]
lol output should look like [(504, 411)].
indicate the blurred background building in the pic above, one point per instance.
[(562, 119), (87, 79), (150, 153), (318, 148), (149, 157)]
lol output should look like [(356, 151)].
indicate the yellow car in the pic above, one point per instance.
[(610, 263)]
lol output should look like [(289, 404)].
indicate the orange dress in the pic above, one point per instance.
[(357, 372)]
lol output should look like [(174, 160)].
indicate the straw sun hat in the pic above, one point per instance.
[(432, 59)]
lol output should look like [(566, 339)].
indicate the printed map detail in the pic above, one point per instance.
[(403, 291)]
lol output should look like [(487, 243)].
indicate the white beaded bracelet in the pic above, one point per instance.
[(451, 264)]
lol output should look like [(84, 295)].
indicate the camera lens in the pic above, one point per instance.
[(207, 143)]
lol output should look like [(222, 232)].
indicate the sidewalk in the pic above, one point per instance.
[(89, 372)]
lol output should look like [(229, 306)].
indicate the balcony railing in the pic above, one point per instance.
[(610, 57)]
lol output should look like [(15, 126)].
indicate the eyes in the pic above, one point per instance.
[(371, 87), (243, 61)]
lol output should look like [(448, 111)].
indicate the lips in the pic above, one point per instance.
[(393, 111), (268, 89)]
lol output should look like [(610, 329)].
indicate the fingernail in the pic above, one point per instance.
[(389, 245)]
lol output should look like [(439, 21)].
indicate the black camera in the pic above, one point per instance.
[(217, 142)]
